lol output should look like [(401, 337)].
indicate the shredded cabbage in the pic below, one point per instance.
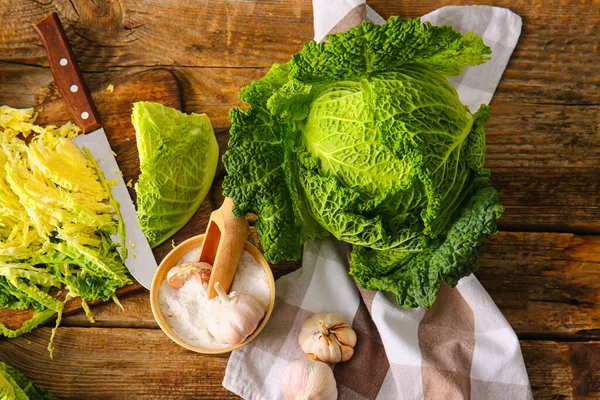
[(56, 218)]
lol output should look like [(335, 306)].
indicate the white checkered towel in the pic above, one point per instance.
[(462, 348)]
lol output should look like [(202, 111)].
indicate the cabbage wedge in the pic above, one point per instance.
[(178, 160)]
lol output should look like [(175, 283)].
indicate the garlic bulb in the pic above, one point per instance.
[(327, 337), (235, 317), (181, 273), (307, 379)]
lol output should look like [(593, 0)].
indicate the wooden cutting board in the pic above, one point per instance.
[(159, 85)]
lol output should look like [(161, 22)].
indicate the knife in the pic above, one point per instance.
[(68, 79)]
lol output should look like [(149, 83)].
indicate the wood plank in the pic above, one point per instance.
[(136, 313), (143, 363), (549, 367), (556, 60), (542, 199), (206, 90), (545, 284), (585, 362), (116, 364), (208, 33), (563, 370), (519, 134)]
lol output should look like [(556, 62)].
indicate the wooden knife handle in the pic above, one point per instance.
[(66, 73)]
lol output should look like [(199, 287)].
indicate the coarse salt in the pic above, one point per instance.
[(188, 310)]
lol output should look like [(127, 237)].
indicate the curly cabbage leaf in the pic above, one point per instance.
[(362, 137), (56, 218), (178, 162), (15, 385)]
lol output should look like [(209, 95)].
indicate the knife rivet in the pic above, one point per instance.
[(85, 115), (63, 61), (74, 88)]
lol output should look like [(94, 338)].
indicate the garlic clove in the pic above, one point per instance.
[(347, 353), (307, 379), (235, 316), (346, 336), (306, 342), (327, 351), (178, 275), (174, 279), (227, 330)]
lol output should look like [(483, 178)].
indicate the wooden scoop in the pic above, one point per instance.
[(223, 245)]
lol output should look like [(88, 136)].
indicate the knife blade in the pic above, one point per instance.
[(68, 79)]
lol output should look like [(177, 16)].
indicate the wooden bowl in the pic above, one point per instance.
[(171, 260)]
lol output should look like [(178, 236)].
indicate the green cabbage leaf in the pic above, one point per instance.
[(362, 137), (178, 160), (16, 386)]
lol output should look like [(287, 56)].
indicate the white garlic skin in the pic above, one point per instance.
[(236, 317), (307, 379)]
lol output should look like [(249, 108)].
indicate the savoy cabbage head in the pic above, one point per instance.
[(363, 138)]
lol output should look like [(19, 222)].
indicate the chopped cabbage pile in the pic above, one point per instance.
[(56, 219)]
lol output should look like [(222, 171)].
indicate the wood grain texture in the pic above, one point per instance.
[(550, 371), (216, 33), (556, 60), (563, 370), (545, 283), (116, 364), (205, 90), (153, 367)]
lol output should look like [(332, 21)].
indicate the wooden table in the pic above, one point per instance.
[(543, 269)]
